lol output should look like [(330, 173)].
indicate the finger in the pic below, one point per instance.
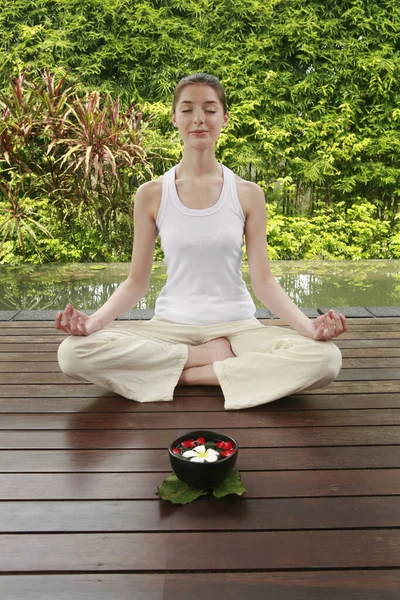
[(73, 321), (81, 314), (57, 321), (344, 322), (323, 330), (338, 326), (82, 326), (66, 315), (61, 327), (329, 328)]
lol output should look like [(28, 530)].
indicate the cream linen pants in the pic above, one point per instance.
[(143, 361)]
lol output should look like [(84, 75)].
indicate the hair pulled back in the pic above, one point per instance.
[(200, 79)]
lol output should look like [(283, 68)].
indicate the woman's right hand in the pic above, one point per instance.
[(76, 322)]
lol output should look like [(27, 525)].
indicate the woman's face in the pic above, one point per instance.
[(199, 110)]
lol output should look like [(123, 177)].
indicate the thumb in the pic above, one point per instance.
[(81, 325)]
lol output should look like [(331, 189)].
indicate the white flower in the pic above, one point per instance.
[(200, 454)]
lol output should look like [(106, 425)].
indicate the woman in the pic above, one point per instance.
[(204, 330)]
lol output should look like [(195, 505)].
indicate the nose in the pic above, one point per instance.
[(198, 117)]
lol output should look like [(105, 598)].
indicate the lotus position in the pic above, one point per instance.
[(204, 331)]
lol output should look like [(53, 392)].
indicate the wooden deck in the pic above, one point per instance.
[(80, 467)]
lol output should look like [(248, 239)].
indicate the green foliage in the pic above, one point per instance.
[(313, 93), (177, 492), (68, 167), (331, 233)]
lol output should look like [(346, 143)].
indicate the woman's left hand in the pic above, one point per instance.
[(326, 327)]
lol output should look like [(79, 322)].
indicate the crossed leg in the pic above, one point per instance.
[(198, 369)]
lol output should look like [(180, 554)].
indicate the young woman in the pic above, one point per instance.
[(204, 330)]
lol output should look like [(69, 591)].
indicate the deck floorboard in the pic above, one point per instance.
[(80, 466)]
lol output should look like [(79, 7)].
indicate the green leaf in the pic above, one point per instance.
[(231, 485), (177, 492)]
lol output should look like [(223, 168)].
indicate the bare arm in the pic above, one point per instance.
[(134, 288), (264, 284)]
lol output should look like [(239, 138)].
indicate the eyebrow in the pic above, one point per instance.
[(206, 102)]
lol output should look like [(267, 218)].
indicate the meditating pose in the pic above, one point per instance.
[(204, 331)]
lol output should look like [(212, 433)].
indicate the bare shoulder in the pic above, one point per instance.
[(250, 194), (152, 191)]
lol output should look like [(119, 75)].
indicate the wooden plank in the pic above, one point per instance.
[(336, 388), (208, 514), (25, 361), (33, 339), (209, 403), (32, 347), (350, 320), (201, 420), (382, 374), (164, 551), (341, 343), (354, 321), (41, 378), (10, 357), (370, 363), (29, 366), (143, 486), (26, 365), (161, 438), (369, 352), (48, 346), (288, 585), (348, 336), (47, 327), (375, 325), (366, 343), (87, 390), (47, 331), (369, 335), (268, 459), (26, 324), (362, 353)]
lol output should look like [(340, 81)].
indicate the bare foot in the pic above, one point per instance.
[(221, 348)]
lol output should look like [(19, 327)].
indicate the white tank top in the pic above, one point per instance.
[(203, 253)]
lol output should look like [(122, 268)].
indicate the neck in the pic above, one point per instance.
[(198, 164)]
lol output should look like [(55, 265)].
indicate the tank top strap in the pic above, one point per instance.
[(164, 197), (237, 207)]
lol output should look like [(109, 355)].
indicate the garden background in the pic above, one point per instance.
[(85, 117)]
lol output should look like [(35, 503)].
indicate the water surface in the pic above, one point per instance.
[(308, 283)]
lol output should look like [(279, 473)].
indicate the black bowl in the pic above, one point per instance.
[(206, 474)]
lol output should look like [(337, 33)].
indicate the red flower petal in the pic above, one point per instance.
[(188, 444), (225, 453), (219, 444), (176, 450), (201, 441)]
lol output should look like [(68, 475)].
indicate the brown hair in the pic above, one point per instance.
[(202, 79)]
